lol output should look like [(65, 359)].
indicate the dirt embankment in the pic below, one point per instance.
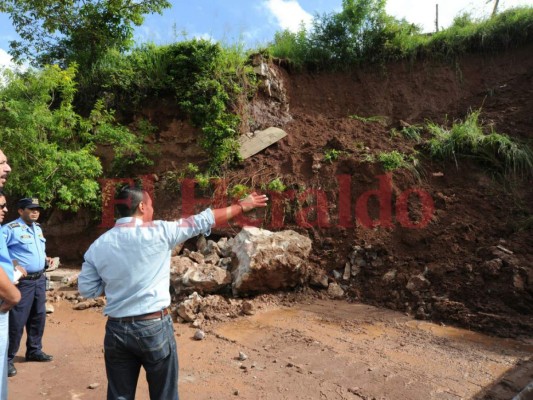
[(472, 264)]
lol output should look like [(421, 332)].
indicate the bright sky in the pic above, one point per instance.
[(254, 22)]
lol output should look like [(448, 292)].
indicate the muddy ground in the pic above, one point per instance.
[(297, 347)]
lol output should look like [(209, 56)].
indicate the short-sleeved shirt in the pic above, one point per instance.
[(131, 263), (26, 244), (5, 258)]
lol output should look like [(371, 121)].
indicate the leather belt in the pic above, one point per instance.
[(33, 276), (143, 317)]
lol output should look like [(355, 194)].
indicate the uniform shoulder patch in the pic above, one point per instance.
[(13, 225)]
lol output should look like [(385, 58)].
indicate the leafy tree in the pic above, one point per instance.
[(50, 147), (74, 30), (362, 31), (355, 32)]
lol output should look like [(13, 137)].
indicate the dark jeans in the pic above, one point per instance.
[(130, 345), (30, 312)]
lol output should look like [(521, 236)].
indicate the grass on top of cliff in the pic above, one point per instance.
[(363, 33)]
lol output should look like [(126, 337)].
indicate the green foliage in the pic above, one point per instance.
[(291, 46), (208, 81), (276, 185), (363, 32), (511, 28), (392, 160), (467, 138), (78, 31), (171, 180), (412, 132), (239, 191), (331, 155), (50, 147), (191, 169), (203, 180)]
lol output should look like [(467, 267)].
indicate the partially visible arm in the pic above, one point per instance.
[(9, 294), (183, 229), (254, 200), (90, 285)]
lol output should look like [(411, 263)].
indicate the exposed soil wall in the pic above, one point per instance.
[(472, 264)]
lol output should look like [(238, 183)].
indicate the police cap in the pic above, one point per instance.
[(28, 202)]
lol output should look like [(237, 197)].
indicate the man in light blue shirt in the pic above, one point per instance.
[(9, 294), (130, 264)]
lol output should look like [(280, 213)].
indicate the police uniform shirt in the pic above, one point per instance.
[(26, 244)]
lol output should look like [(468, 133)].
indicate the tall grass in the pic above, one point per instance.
[(467, 139)]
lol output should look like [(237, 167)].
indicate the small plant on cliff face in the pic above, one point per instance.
[(376, 118), (392, 160), (360, 146), (331, 155), (171, 180), (276, 185), (412, 132), (498, 151), (202, 180), (368, 157), (192, 169), (239, 191)]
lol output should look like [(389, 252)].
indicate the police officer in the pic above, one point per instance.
[(26, 245)]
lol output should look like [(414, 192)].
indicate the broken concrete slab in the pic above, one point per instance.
[(253, 143)]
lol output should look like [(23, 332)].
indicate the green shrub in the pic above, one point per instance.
[(203, 181), (467, 138), (392, 160), (51, 148), (192, 169), (331, 155), (276, 185), (412, 132), (239, 191), (210, 82), (363, 32)]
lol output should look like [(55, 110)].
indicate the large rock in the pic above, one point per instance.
[(266, 261), (187, 276)]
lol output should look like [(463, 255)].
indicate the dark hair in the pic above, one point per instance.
[(128, 199), (2, 191)]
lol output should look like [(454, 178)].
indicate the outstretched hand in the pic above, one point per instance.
[(253, 200)]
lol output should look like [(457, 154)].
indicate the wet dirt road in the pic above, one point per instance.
[(319, 350)]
